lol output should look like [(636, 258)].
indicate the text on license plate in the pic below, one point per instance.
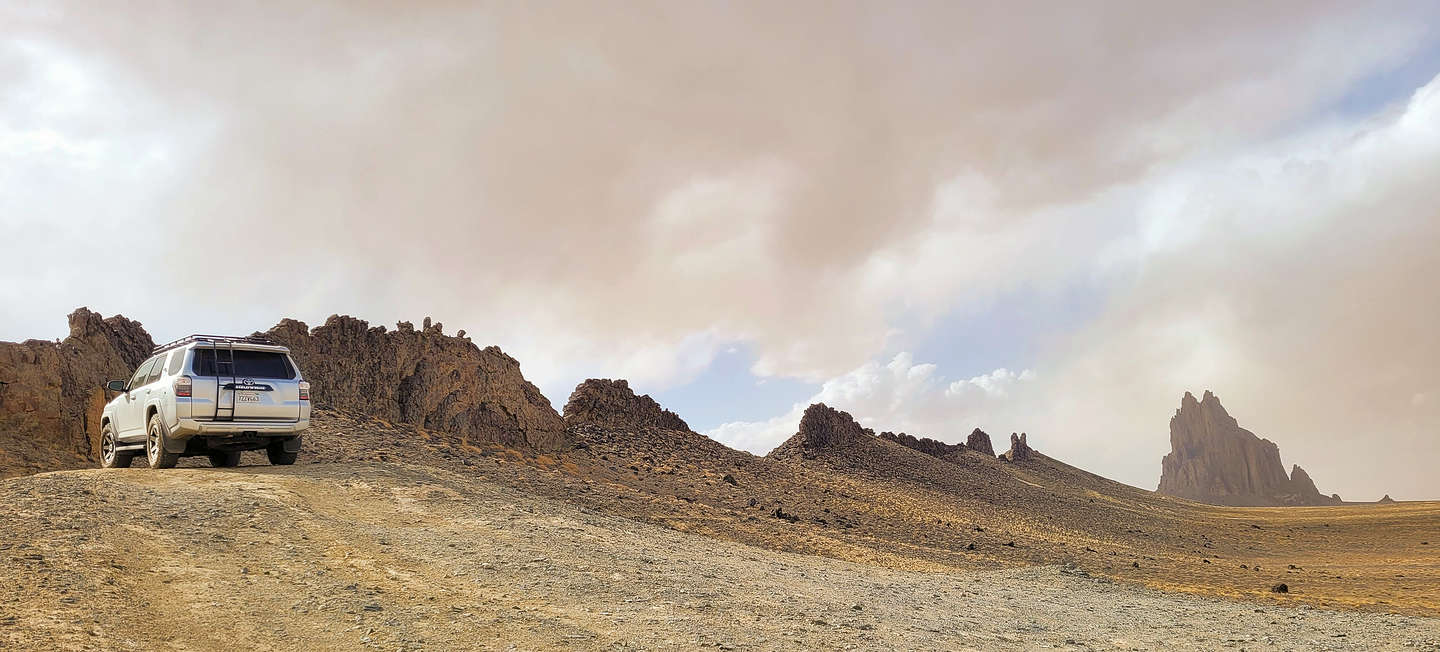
[(248, 397)]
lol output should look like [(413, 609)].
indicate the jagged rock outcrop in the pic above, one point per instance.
[(1214, 460), (612, 404), (1019, 449), (422, 377), (925, 445), (979, 441), (822, 428), (1300, 482), (51, 393)]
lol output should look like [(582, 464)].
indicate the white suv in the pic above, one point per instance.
[(207, 395)]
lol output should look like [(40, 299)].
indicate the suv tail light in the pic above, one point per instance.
[(182, 387), (304, 390)]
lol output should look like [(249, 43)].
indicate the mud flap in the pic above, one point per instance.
[(292, 445), (171, 445)]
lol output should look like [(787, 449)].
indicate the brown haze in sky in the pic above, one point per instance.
[(628, 190)]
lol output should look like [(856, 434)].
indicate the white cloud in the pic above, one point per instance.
[(899, 395)]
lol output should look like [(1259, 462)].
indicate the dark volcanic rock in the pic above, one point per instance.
[(923, 444), (424, 378), (51, 393), (612, 404), (979, 441), (1019, 449), (1214, 460), (1387, 500), (822, 427)]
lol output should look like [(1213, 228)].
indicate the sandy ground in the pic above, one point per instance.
[(398, 557)]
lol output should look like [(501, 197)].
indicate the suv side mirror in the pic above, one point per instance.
[(115, 385)]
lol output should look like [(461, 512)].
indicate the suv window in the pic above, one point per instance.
[(248, 364), (156, 370), (141, 374), (176, 359)]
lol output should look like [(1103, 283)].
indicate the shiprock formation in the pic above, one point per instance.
[(1213, 460)]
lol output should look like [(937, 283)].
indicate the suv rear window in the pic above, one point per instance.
[(248, 364)]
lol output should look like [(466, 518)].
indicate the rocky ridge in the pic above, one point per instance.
[(1214, 460), (925, 445), (422, 377), (51, 393)]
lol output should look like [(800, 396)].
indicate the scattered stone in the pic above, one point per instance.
[(782, 515), (730, 480), (1280, 588)]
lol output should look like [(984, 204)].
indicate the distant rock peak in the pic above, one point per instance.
[(979, 441), (1213, 460), (822, 428), (611, 403)]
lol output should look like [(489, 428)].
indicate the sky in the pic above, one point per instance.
[(1024, 216)]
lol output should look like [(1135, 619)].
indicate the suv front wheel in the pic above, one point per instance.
[(155, 446)]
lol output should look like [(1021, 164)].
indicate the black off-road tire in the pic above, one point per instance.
[(155, 436), (109, 457), (275, 450), (221, 460)]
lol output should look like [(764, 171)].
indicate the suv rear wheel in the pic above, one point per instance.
[(224, 459), (155, 451), (275, 450), (109, 457)]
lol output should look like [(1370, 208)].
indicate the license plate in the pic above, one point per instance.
[(248, 397)]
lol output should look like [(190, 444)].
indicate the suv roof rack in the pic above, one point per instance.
[(216, 339)]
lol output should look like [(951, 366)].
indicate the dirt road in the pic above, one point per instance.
[(411, 558)]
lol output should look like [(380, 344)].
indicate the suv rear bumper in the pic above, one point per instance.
[(191, 427)]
